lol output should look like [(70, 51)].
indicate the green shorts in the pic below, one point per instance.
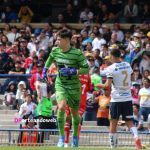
[(73, 100)]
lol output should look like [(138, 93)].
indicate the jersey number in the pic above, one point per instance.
[(124, 81), (83, 88)]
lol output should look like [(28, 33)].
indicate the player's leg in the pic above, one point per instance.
[(127, 116), (61, 98), (67, 126), (114, 113)]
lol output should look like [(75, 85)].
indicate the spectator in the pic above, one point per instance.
[(138, 78), (48, 28), (114, 7), (20, 58), (113, 40), (90, 5), (135, 51), (145, 41), (137, 118), (103, 110), (88, 49), (1, 65), (122, 51), (104, 15), (60, 18), (134, 96), (37, 32), (28, 61), (24, 136), (148, 46), (99, 25), (96, 78), (31, 45), (3, 54), (122, 57), (104, 51), (24, 25), (33, 78), (98, 59), (24, 34), (44, 112), (131, 10), (28, 107), (86, 15), (97, 43), (127, 38), (21, 86), (137, 29), (99, 7), (1, 35), (92, 36), (14, 35), (8, 15), (4, 41), (103, 67), (144, 99), (106, 34), (145, 74), (43, 40), (16, 48), (146, 27), (91, 108), (33, 66), (92, 65), (41, 53), (87, 27), (119, 33), (37, 47), (63, 25), (10, 93), (7, 29), (13, 56), (52, 40), (8, 45), (69, 14), (25, 14), (79, 41), (86, 40), (145, 12), (96, 31), (20, 37), (8, 65)]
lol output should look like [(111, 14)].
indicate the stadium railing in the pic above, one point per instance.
[(88, 138)]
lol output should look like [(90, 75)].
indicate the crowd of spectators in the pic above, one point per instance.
[(25, 51)]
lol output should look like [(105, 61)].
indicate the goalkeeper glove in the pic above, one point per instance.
[(68, 71), (45, 75)]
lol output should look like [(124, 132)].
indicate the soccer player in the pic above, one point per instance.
[(71, 63), (120, 75), (86, 85)]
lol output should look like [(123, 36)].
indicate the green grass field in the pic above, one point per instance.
[(54, 148)]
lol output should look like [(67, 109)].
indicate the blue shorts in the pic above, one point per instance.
[(118, 108)]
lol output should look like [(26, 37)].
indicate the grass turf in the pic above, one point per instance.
[(54, 148)]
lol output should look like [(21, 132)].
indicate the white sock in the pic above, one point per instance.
[(134, 131), (113, 139)]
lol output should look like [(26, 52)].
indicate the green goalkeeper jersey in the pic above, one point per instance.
[(71, 59)]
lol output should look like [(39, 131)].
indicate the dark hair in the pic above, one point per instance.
[(13, 52), (6, 38), (29, 95), (95, 70), (137, 105), (98, 33), (24, 89), (18, 62), (89, 43), (115, 52), (86, 31), (147, 79), (19, 55), (97, 50), (69, 4), (65, 33), (9, 43), (105, 45), (27, 52), (49, 89), (7, 24), (33, 64)]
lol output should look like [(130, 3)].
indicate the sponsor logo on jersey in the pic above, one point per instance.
[(81, 79), (63, 61), (124, 94), (85, 62)]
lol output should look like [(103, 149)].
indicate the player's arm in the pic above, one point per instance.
[(140, 123), (49, 61), (106, 85), (38, 92)]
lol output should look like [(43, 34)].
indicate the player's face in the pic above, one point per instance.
[(135, 110), (61, 42)]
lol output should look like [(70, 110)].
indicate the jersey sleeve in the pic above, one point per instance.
[(140, 92), (109, 73), (141, 120), (83, 64), (50, 59)]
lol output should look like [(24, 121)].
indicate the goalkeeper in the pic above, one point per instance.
[(71, 63)]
